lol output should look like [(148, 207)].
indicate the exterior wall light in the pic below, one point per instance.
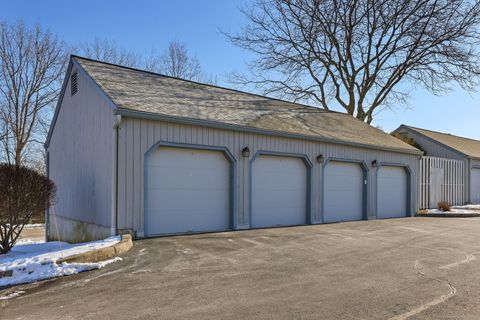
[(246, 152), (374, 163), (320, 158)]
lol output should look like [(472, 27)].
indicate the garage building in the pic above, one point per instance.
[(449, 146), (133, 151)]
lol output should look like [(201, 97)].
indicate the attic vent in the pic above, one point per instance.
[(73, 84)]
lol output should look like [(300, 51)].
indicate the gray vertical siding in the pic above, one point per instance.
[(138, 135), (80, 162)]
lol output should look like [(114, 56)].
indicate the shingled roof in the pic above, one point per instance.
[(137, 92), (466, 146)]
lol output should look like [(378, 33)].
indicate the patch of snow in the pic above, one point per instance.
[(34, 226), (454, 210), (24, 241), (12, 295), (468, 207), (33, 261)]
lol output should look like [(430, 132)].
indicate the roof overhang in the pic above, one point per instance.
[(433, 140), (234, 127)]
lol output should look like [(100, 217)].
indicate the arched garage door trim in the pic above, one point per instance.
[(407, 169), (365, 170), (308, 165), (233, 175)]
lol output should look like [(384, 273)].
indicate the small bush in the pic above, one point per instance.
[(444, 206), (23, 193)]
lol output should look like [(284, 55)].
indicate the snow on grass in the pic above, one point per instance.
[(455, 210), (24, 241), (468, 207), (33, 261), (34, 226)]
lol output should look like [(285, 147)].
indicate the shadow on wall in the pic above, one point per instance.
[(409, 140)]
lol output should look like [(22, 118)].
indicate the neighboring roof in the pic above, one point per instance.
[(139, 93), (466, 146)]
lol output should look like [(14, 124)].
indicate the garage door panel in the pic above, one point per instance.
[(188, 199), (173, 222), (275, 179), (279, 191), (178, 177), (190, 158), (342, 213), (190, 192), (343, 192), (187, 191), (389, 198), (283, 218), (277, 183), (272, 200), (392, 192), (475, 186)]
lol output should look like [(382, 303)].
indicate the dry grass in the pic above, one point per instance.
[(444, 206)]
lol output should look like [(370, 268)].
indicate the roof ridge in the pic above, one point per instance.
[(444, 133), (220, 87), (207, 84)]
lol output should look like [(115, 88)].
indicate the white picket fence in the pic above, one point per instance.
[(441, 180)]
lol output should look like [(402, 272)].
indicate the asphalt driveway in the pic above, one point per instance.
[(415, 268)]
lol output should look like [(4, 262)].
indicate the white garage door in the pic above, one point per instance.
[(391, 192), (279, 191), (343, 194), (475, 186), (187, 190)]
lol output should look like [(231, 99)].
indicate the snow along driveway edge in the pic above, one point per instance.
[(35, 261), (100, 254), (32, 262)]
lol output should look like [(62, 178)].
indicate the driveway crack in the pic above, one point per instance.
[(417, 267)]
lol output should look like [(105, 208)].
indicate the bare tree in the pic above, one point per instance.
[(32, 61), (360, 55), (176, 62), (32, 64), (109, 51)]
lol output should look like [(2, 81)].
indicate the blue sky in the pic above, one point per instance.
[(146, 25)]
